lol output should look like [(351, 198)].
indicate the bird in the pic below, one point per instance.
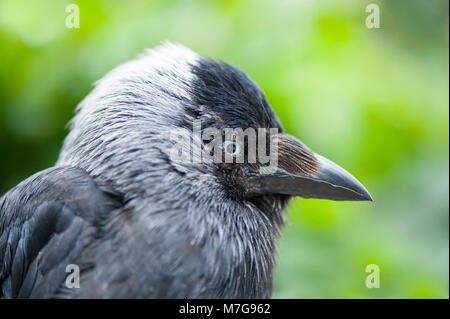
[(137, 222)]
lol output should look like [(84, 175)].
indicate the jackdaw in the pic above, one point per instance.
[(122, 212)]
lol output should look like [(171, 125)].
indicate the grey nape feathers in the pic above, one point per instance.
[(139, 224)]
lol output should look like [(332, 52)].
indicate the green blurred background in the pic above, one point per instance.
[(376, 101)]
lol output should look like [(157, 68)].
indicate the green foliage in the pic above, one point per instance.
[(373, 100)]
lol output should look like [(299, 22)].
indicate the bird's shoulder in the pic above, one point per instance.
[(49, 209)]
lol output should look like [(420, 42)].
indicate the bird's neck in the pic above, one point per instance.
[(222, 247)]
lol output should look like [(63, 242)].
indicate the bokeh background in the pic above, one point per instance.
[(376, 101)]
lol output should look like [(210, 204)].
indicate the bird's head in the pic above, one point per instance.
[(171, 117)]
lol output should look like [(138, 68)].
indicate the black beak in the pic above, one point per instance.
[(326, 180)]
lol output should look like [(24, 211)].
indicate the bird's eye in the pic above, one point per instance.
[(232, 148)]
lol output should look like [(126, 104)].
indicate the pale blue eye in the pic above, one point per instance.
[(231, 148)]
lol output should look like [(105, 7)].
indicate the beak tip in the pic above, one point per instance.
[(337, 176), (362, 192), (367, 196)]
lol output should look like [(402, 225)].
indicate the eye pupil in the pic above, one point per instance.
[(231, 147)]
